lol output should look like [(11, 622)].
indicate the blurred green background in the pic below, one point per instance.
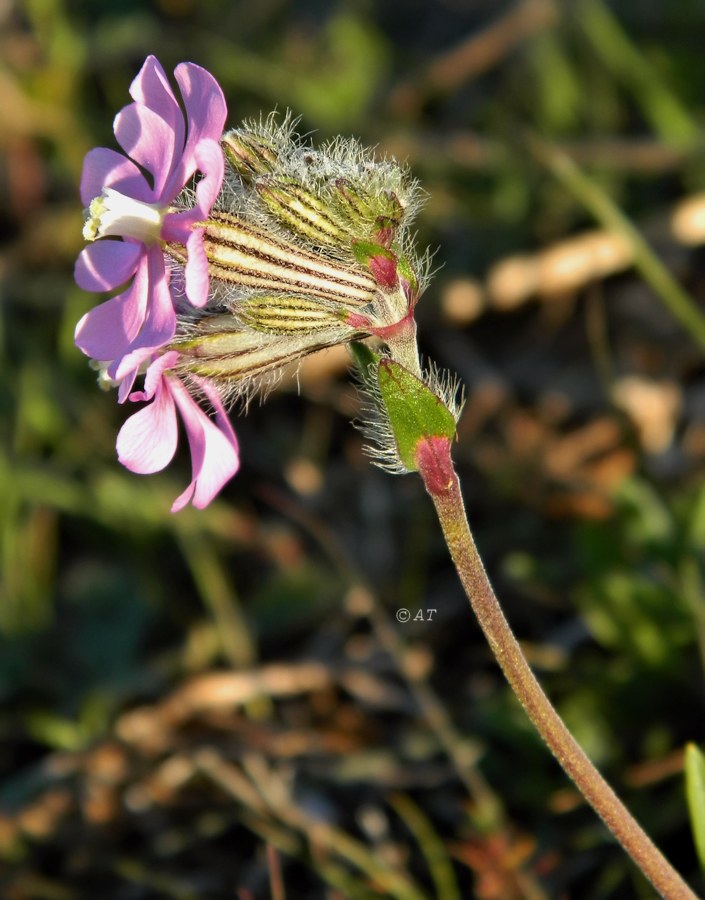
[(222, 703)]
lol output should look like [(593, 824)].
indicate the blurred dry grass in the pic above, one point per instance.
[(221, 703)]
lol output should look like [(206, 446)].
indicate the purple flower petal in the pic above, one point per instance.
[(105, 265), (209, 160), (140, 317), (150, 141), (205, 105), (157, 329), (108, 168), (100, 334), (151, 88), (128, 381), (152, 378), (153, 375), (214, 450), (147, 441), (206, 112), (196, 272), (178, 227), (127, 331)]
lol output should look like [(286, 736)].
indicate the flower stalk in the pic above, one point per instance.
[(416, 424), (441, 482)]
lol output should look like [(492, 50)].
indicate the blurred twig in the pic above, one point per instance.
[(151, 726), (276, 880), (218, 592), (599, 204), (432, 847), (571, 264), (467, 150), (474, 55), (276, 798), (668, 116)]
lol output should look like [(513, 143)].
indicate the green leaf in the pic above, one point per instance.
[(695, 794), (414, 410)]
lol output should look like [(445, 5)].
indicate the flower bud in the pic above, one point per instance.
[(381, 262), (371, 215), (250, 154), (301, 211), (307, 248), (240, 358), (297, 314)]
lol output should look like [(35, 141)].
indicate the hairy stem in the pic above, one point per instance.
[(443, 486)]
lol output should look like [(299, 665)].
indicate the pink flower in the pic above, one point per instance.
[(133, 211), (147, 441)]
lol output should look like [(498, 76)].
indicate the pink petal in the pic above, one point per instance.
[(205, 105), (156, 371), (151, 88), (108, 168), (127, 382), (100, 334), (154, 374), (158, 329), (161, 319), (209, 159), (151, 142), (178, 227), (206, 112), (221, 416), (152, 378), (105, 265), (214, 450), (196, 272), (108, 330), (147, 441)]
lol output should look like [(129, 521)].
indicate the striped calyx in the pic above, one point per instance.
[(305, 248), (244, 254)]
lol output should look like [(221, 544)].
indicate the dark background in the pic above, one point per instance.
[(200, 705)]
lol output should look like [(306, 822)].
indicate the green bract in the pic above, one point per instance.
[(405, 409), (414, 410)]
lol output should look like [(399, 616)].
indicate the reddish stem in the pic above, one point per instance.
[(441, 481)]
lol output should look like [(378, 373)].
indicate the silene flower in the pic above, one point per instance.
[(242, 252), (131, 213)]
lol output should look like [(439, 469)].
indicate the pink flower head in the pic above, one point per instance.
[(129, 199), (147, 441)]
